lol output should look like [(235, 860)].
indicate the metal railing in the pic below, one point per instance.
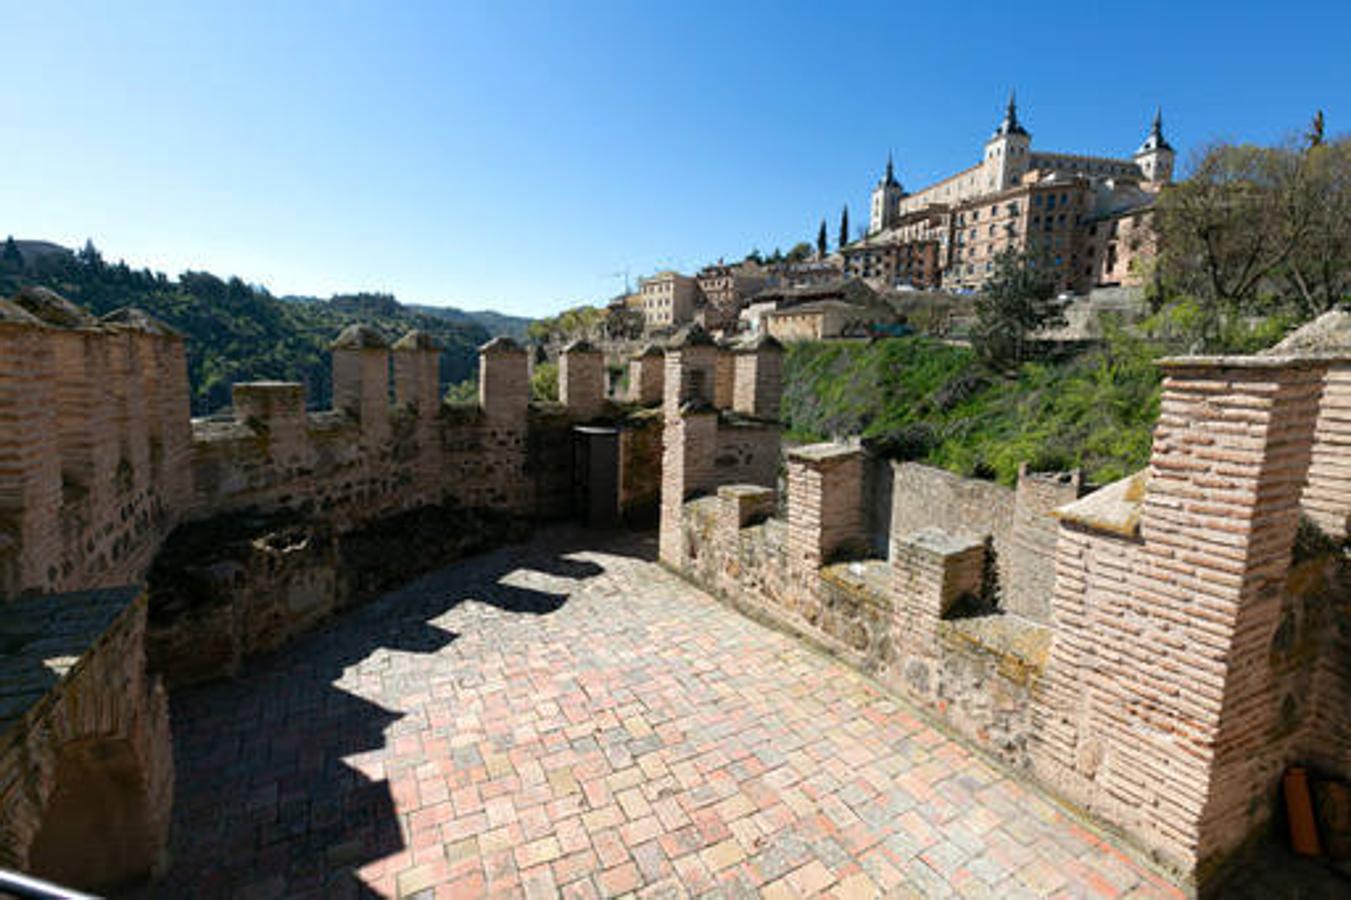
[(15, 884)]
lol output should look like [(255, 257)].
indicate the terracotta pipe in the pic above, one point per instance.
[(1299, 810)]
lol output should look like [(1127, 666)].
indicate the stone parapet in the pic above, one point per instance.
[(417, 374), (647, 373), (503, 380), (933, 570), (361, 381), (1327, 495), (758, 378), (825, 504), (86, 765), (742, 505), (581, 380)]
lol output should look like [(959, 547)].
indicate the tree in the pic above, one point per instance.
[(11, 260), (800, 253), (821, 240), (1256, 227), (1318, 269), (1016, 302), (544, 382), (844, 226), (90, 256)]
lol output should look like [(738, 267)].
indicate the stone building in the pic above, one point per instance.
[(821, 320), (1053, 206), (725, 290), (669, 299)]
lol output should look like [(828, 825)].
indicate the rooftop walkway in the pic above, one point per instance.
[(547, 719)]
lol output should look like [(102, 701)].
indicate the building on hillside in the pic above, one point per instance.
[(806, 274), (853, 291), (725, 290), (1048, 205), (820, 320), (669, 299), (887, 261)]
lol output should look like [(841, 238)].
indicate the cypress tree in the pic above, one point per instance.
[(821, 240)]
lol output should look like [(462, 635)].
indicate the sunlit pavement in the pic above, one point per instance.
[(551, 720)]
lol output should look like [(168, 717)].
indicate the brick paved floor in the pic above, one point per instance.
[(547, 720)]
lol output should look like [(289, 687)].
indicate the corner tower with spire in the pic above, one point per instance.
[(886, 201), (1006, 152), (1155, 157)]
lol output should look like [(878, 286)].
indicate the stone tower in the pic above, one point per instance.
[(886, 205), (1155, 156), (1006, 152)]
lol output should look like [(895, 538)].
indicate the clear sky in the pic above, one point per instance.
[(522, 156)]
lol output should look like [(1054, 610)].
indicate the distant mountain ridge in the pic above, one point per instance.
[(498, 324), (240, 332)]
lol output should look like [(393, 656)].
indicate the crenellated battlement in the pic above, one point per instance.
[(100, 460), (1156, 652)]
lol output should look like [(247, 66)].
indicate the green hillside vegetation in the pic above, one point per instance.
[(919, 399), (236, 331)]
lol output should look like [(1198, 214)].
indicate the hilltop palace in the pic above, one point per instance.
[(1087, 218)]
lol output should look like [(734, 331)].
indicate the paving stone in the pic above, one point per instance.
[(454, 737)]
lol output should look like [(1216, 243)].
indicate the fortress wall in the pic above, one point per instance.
[(1188, 650), (99, 459), (1018, 522), (1327, 496), (95, 472), (1172, 651)]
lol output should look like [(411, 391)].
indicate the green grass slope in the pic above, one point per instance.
[(916, 398)]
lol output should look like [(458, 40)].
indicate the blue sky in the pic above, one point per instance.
[(522, 156)]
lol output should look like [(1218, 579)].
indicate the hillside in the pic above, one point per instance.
[(514, 327), (916, 398), (236, 331)]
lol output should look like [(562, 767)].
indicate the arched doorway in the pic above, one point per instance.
[(97, 830)]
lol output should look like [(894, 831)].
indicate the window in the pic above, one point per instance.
[(1050, 201)]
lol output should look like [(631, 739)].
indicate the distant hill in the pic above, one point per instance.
[(236, 331), (498, 324)]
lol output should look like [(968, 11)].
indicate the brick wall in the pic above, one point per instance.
[(1327, 496), (1184, 666), (87, 749), (102, 460), (1018, 521), (581, 380), (1166, 661)]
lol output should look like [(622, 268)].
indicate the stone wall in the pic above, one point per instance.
[(86, 764), (99, 460), (640, 470), (93, 449), (1186, 664), (1164, 647), (1019, 523), (226, 588)]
